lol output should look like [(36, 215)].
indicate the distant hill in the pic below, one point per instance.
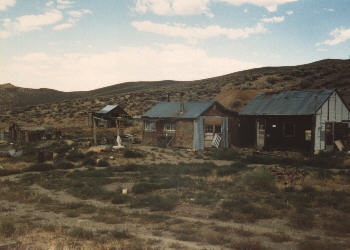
[(233, 90)]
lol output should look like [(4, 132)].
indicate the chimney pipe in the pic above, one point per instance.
[(182, 107)]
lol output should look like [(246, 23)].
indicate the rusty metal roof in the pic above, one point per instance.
[(305, 102), (172, 109), (107, 109)]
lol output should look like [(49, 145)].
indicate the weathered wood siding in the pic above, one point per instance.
[(184, 134), (333, 110)]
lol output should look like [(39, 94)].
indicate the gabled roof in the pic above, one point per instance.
[(111, 111), (305, 102), (172, 109), (107, 109)]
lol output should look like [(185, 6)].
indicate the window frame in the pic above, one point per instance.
[(211, 131), (149, 126), (285, 127), (172, 126)]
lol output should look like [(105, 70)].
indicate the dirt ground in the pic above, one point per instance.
[(52, 210)]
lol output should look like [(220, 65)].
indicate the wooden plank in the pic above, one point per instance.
[(8, 245)]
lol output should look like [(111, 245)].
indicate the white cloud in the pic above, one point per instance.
[(289, 12), (270, 5), (340, 35), (29, 22), (275, 19), (329, 10), (174, 7), (64, 4), (245, 10), (50, 3), (79, 13), (83, 71), (4, 4), (75, 16), (63, 26), (195, 33)]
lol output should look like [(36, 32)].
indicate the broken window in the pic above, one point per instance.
[(170, 127), (208, 128), (150, 126), (217, 129), (289, 129), (308, 135)]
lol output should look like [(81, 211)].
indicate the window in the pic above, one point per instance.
[(209, 129), (150, 126), (217, 129), (170, 127), (289, 129), (308, 135)]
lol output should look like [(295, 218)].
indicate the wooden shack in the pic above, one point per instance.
[(196, 125), (307, 120), (111, 116), (24, 135)]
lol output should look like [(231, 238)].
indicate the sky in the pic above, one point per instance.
[(72, 45)]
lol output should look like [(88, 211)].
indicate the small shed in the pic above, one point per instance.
[(307, 120), (21, 134), (196, 125), (107, 116), (111, 116)]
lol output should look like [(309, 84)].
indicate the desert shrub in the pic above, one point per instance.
[(129, 168), (6, 172), (120, 199), (247, 245), (323, 174), (236, 104), (81, 233), (271, 80), (338, 225), (226, 154), (128, 153), (260, 179), (64, 165), (244, 206), (320, 245), (203, 169), (102, 163), (327, 161), (269, 160), (89, 162), (7, 226), (62, 148), (120, 234), (144, 187), (75, 156), (206, 198), (302, 219), (231, 169), (156, 202), (40, 167)]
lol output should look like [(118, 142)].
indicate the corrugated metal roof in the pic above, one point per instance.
[(304, 102), (107, 109), (172, 109)]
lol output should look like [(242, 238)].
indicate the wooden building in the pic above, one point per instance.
[(111, 116), (308, 120), (24, 135), (106, 117), (196, 125)]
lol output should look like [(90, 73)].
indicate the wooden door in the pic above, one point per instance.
[(260, 135)]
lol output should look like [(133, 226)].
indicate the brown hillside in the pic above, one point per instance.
[(51, 107)]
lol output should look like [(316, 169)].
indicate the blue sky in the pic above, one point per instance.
[(86, 44)]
